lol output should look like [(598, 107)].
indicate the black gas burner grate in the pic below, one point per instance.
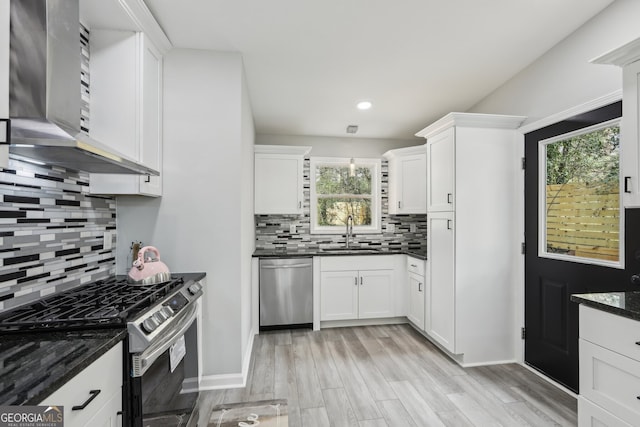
[(104, 303)]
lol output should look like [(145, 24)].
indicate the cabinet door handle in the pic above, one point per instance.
[(637, 342), (450, 198), (93, 393), (419, 287), (627, 186), (414, 266), (147, 178), (449, 224), (360, 280), (355, 280), (299, 205), (399, 206)]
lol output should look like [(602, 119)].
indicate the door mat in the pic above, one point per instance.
[(266, 413)]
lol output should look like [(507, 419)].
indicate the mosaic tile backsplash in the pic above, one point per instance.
[(51, 232), (398, 231)]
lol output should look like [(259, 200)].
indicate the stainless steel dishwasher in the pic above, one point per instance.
[(286, 293)]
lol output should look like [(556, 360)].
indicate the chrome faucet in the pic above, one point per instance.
[(349, 232)]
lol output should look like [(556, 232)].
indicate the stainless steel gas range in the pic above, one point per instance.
[(160, 386)]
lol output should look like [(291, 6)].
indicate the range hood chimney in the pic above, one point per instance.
[(44, 91)]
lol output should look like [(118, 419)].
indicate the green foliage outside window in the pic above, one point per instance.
[(339, 195), (591, 159)]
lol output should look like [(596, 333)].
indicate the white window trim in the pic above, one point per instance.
[(376, 199), (542, 203)]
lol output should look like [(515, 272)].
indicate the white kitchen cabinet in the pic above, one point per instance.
[(364, 294), (125, 83), (471, 239), (339, 295), (441, 171), (4, 77), (359, 287), (126, 107), (441, 250), (278, 176), (418, 292), (407, 180), (609, 368), (105, 375), (628, 57)]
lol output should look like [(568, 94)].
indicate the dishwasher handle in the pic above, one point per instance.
[(279, 267)]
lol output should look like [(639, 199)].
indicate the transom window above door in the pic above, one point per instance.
[(343, 187), (579, 190)]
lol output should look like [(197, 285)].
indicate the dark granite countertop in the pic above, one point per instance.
[(420, 253), (626, 304), (34, 365)]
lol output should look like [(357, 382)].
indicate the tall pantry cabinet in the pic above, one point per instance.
[(471, 167)]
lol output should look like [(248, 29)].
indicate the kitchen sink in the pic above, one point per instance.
[(351, 250)]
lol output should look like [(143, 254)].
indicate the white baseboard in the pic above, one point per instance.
[(238, 380), (363, 322)]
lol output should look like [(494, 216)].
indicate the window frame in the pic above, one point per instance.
[(376, 199), (542, 202)]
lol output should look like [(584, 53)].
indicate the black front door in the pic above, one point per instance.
[(551, 319)]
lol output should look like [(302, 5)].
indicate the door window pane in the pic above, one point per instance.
[(581, 192)]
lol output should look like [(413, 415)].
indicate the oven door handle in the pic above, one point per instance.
[(142, 361)]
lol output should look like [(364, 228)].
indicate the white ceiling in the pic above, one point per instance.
[(308, 62)]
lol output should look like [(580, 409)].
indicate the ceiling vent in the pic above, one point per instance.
[(352, 129)]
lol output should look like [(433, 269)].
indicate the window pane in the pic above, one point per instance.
[(337, 180), (333, 211), (582, 195)]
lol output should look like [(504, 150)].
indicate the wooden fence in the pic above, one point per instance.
[(583, 221)]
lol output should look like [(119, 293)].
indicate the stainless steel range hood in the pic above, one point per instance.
[(44, 94)]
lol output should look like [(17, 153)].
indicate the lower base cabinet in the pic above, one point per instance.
[(360, 287), (609, 369), (356, 294), (105, 375), (416, 300)]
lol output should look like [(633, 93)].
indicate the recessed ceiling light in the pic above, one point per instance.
[(364, 105)]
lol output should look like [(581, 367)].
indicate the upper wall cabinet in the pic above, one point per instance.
[(126, 47), (407, 180), (278, 179), (628, 57)]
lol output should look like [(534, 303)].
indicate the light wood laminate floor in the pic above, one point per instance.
[(389, 376)]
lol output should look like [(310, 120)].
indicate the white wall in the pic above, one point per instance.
[(563, 77), (325, 146), (247, 225), (561, 80), (204, 221)]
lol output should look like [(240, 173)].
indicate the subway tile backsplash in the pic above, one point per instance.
[(272, 231), (51, 232)]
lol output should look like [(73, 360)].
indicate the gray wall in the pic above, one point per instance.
[(563, 77), (204, 220)]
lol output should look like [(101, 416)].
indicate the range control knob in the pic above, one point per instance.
[(149, 325), (168, 311), (193, 289), (160, 316)]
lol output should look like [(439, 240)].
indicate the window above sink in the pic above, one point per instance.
[(341, 187)]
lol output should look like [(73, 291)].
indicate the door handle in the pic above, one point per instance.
[(299, 205), (627, 186), (93, 395), (419, 287), (449, 224), (450, 198), (399, 205), (360, 280), (355, 280)]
